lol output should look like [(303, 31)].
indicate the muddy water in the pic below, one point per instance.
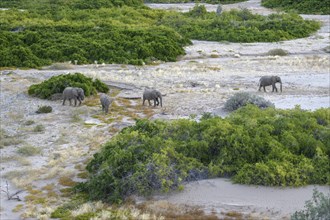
[(221, 196)]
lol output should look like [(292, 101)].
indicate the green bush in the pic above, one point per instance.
[(253, 146), (302, 6), (88, 31), (44, 109), (316, 208), (241, 99), (239, 25), (57, 84)]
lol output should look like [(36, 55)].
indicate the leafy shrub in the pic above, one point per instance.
[(239, 25), (85, 31), (277, 52), (253, 146), (316, 208), (57, 84), (44, 109), (241, 99), (302, 6)]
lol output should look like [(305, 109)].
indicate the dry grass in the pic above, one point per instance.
[(23, 177), (29, 150), (170, 211), (18, 208), (39, 128), (66, 181)]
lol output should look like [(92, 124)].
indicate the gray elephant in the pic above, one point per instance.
[(105, 102), (270, 80), (152, 94), (73, 93)]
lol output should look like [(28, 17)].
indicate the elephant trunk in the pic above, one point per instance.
[(281, 85)]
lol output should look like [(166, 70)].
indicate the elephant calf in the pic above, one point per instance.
[(152, 94), (105, 102), (73, 93), (270, 80)]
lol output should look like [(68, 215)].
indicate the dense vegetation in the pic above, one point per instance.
[(265, 147), (125, 32), (239, 25), (195, 1), (301, 6), (57, 84)]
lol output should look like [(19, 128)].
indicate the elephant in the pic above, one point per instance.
[(73, 93), (105, 102), (152, 94), (270, 80)]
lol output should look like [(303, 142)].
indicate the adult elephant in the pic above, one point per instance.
[(73, 93), (152, 94), (270, 80)]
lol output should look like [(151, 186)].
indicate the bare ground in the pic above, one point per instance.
[(201, 81)]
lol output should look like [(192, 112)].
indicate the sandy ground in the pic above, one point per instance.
[(195, 84)]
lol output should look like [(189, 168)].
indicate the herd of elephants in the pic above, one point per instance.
[(77, 94)]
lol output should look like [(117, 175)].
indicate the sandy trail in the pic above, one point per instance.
[(195, 84)]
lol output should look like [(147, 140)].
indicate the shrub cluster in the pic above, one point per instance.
[(241, 99), (39, 36), (301, 6), (253, 146), (239, 25), (44, 109), (57, 84)]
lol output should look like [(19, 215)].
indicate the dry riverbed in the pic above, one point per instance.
[(43, 154)]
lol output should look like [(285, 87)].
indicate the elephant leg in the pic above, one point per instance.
[(259, 88), (70, 101), (63, 102), (143, 101), (264, 88), (274, 88), (155, 101), (75, 102), (149, 102), (79, 101)]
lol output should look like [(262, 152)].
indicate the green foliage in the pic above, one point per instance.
[(44, 109), (57, 84), (253, 146), (125, 35), (241, 99), (125, 32), (316, 208), (302, 6), (239, 25)]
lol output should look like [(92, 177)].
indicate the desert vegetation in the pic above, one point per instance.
[(241, 99), (284, 148), (57, 84), (302, 6), (36, 34)]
